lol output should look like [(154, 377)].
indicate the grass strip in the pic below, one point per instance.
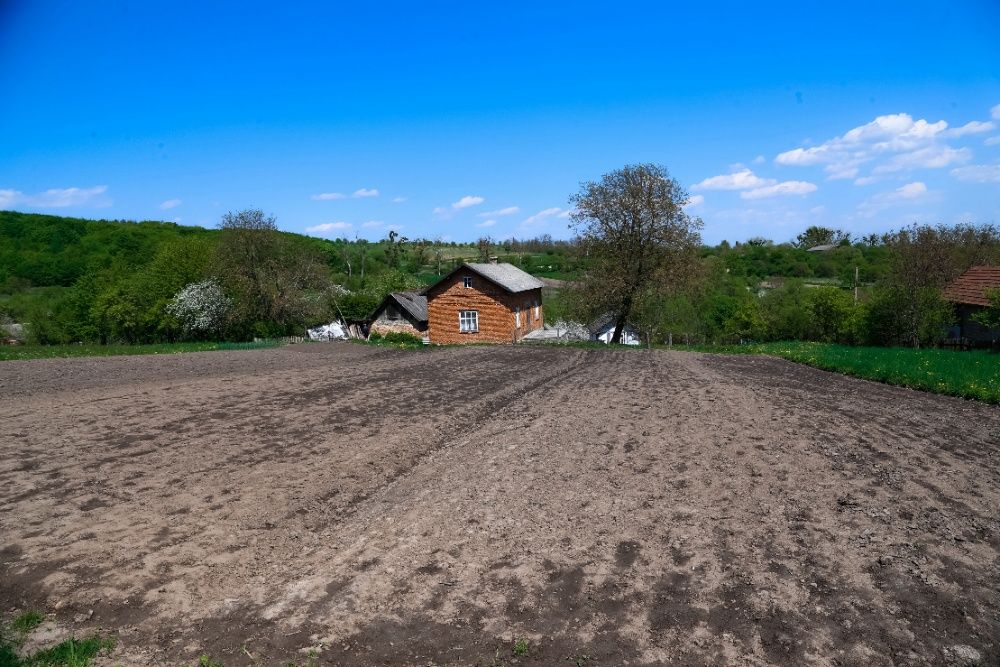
[(20, 352), (974, 374)]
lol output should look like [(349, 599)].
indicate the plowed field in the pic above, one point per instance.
[(432, 507)]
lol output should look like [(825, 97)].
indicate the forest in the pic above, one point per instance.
[(71, 280)]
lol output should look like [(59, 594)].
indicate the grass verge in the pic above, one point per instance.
[(973, 374), (18, 352), (71, 652)]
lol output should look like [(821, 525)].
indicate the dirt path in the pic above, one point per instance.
[(431, 507)]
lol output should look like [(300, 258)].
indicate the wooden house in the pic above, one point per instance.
[(484, 303), (968, 293), (400, 312)]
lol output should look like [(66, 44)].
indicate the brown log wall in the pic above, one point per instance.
[(496, 311)]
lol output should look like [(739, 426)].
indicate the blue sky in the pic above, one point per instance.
[(456, 120)]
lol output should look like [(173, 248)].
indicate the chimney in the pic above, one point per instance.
[(494, 259)]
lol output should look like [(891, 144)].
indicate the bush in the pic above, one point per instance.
[(401, 338)]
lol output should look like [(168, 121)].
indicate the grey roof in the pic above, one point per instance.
[(414, 303), (606, 321), (822, 248), (507, 276)]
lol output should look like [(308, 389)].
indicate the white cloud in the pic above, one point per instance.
[(372, 223), (62, 197), (510, 210), (695, 200), (467, 201), (739, 180), (910, 190), (867, 180), (978, 173), (972, 127), (895, 142), (398, 200), (760, 159), (995, 112), (931, 157), (395, 228), (170, 203), (909, 193), (782, 189), (9, 198), (543, 216), (57, 197), (328, 227), (357, 194), (487, 223), (992, 141)]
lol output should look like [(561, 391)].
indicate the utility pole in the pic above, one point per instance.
[(855, 285)]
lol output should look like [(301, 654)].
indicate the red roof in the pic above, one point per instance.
[(971, 286)]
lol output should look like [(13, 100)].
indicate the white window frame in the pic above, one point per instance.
[(517, 316), (468, 321), (467, 282)]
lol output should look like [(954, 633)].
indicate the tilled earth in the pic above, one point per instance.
[(431, 507)]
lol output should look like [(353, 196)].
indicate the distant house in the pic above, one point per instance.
[(602, 330), (825, 247), (968, 293), (484, 303), (400, 312)]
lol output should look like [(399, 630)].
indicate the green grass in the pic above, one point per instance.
[(72, 652), (973, 374), (18, 352), (27, 622)]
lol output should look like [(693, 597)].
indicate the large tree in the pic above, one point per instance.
[(273, 281), (638, 238)]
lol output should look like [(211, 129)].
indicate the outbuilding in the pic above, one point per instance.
[(602, 330), (400, 312), (484, 303), (968, 293)]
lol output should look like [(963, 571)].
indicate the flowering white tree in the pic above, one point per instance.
[(201, 308)]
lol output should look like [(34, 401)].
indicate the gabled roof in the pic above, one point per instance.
[(413, 303), (602, 322), (507, 276), (970, 287)]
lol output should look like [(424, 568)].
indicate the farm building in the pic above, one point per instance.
[(400, 312), (484, 303), (603, 329), (968, 293)]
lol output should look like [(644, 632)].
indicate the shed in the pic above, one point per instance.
[(602, 330), (484, 303), (400, 312), (968, 293)]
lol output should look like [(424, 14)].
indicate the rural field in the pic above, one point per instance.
[(497, 506)]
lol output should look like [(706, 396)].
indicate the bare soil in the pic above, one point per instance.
[(430, 507)]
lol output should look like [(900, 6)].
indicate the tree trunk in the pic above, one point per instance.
[(626, 308)]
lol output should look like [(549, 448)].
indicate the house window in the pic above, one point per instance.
[(467, 281), (517, 316), (468, 321)]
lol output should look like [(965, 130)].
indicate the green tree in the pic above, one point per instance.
[(990, 317), (637, 237), (275, 285)]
